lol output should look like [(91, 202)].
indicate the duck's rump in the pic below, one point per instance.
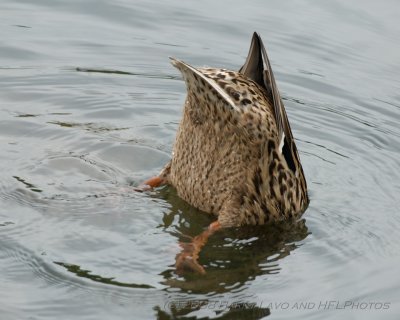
[(210, 162)]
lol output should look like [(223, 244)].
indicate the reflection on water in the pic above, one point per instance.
[(94, 277), (142, 75), (89, 108), (185, 310), (246, 252)]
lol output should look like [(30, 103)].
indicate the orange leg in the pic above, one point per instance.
[(151, 183), (187, 259)]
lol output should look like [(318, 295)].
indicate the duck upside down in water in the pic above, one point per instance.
[(234, 154)]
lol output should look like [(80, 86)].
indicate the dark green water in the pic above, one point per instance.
[(89, 107)]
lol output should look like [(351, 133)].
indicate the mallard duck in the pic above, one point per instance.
[(234, 154)]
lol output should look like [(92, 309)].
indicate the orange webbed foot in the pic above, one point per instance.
[(150, 184), (187, 260)]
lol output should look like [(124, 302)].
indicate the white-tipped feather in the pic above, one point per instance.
[(180, 65), (281, 143)]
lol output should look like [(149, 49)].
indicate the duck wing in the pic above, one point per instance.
[(257, 67)]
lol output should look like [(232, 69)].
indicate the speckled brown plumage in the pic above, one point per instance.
[(234, 154)]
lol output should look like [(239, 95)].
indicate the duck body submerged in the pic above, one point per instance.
[(234, 154)]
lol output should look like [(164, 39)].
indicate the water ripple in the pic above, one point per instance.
[(90, 107)]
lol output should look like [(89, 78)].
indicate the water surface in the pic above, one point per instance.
[(89, 108)]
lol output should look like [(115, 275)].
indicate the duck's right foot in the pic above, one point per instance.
[(186, 261), (150, 184)]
